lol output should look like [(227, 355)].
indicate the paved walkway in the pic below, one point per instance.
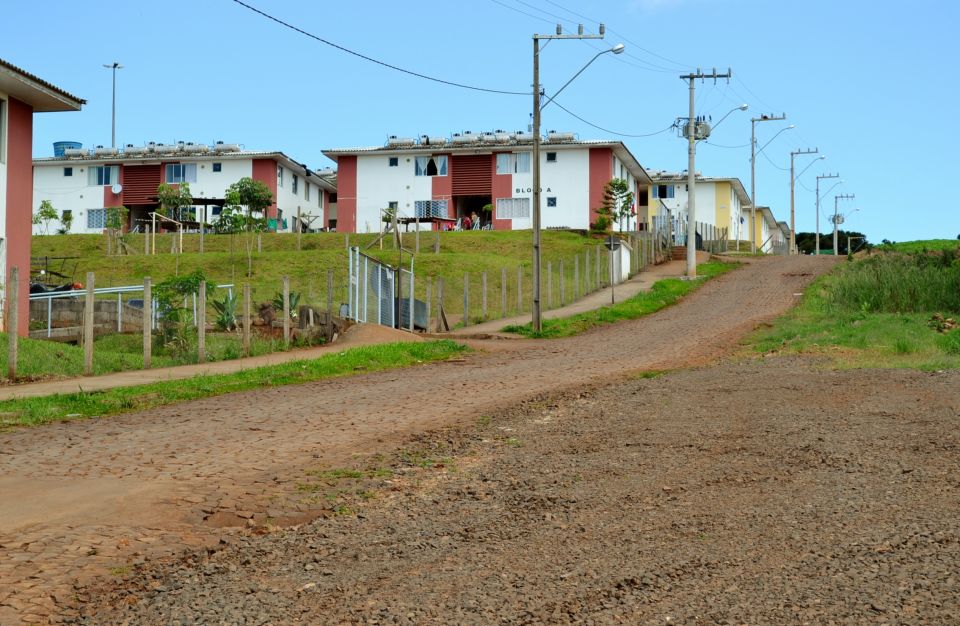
[(355, 336)]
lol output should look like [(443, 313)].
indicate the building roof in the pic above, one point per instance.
[(681, 177), (324, 178), (35, 91), (506, 142)]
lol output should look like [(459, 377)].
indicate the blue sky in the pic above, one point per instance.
[(868, 83)]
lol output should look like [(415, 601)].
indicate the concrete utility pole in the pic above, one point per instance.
[(837, 219), (691, 167), (537, 318), (792, 249), (113, 116), (753, 173), (819, 178)]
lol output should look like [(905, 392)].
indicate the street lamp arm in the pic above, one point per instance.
[(617, 49), (790, 127), (820, 158), (742, 107)]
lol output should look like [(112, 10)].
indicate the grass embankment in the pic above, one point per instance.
[(223, 262), (877, 312), (33, 411), (663, 294)]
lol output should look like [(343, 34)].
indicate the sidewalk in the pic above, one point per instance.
[(592, 301), (360, 335)]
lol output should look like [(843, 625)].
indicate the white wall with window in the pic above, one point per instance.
[(379, 184), (3, 173)]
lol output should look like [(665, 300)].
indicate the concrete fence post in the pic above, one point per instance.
[(246, 319), (576, 277), (586, 272), (483, 295), (466, 299), (549, 284), (597, 265), (503, 292), (202, 323), (563, 285), (88, 311), (439, 302), (429, 302), (520, 289), (147, 322), (329, 293)]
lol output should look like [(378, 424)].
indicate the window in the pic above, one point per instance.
[(279, 176), (96, 218), (431, 166), (516, 163), (66, 216), (551, 157), (513, 208), (551, 201), (216, 210), (218, 167), (393, 205), (319, 197), (295, 182), (181, 173), (306, 192), (104, 175), (662, 191), (394, 161), (68, 171), (430, 208)]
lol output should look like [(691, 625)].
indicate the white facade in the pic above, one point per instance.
[(720, 202), (84, 185)]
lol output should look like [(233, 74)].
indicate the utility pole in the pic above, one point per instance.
[(753, 173), (793, 224), (838, 219), (537, 319), (113, 115), (692, 123), (819, 178)]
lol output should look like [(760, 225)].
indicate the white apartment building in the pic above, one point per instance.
[(84, 183), (720, 202), (443, 179)]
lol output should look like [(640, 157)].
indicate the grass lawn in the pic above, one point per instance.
[(33, 411), (662, 294)]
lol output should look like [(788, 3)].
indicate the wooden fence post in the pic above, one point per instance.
[(88, 310), (202, 324), (466, 299), (576, 277), (503, 292), (549, 284), (286, 311), (520, 289), (13, 320), (147, 322), (563, 286), (246, 319), (483, 295)]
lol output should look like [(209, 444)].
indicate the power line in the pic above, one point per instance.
[(637, 46), (607, 130), (785, 169), (377, 61), (718, 145), (522, 12)]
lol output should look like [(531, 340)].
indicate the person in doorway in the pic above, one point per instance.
[(466, 223), (475, 220)]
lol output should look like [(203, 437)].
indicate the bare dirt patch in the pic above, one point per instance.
[(760, 492)]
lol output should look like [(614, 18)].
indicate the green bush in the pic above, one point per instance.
[(950, 342)]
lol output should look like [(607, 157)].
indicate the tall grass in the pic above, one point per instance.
[(897, 283)]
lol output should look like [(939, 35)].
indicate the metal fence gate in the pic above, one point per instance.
[(379, 293)]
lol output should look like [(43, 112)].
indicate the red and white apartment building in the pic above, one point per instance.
[(85, 182), (445, 179), (21, 95)]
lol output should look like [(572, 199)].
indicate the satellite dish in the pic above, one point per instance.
[(116, 188)]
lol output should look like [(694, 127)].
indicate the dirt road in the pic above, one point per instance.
[(89, 498)]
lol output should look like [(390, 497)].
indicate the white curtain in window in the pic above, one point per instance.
[(523, 162), (421, 165), (503, 164), (441, 165)]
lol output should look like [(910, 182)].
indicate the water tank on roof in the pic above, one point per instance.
[(196, 148), (226, 147), (105, 152), (523, 137), (162, 148), (554, 135), (60, 147), (133, 150), (74, 152), (399, 142)]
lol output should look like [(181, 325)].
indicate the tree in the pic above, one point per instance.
[(66, 221), (116, 219), (172, 199), (617, 204), (256, 197), (44, 215)]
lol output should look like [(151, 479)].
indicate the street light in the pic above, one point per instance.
[(753, 169), (113, 116), (793, 179), (819, 178), (537, 318), (617, 49)]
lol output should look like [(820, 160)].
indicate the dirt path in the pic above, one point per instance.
[(86, 498)]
